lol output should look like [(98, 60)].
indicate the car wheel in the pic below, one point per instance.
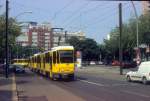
[(144, 80), (53, 77), (128, 78), (72, 77)]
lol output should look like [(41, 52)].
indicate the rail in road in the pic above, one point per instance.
[(33, 87)]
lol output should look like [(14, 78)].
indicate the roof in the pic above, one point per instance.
[(37, 54), (63, 47), (21, 59)]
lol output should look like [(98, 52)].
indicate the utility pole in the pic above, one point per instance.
[(120, 38), (6, 42), (54, 31), (59, 38), (65, 36)]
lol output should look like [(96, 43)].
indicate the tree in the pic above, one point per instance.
[(88, 47), (129, 37), (13, 32), (74, 41)]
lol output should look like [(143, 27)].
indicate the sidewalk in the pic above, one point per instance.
[(6, 88)]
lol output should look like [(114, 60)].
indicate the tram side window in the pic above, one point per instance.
[(38, 59), (47, 57), (32, 60), (50, 59), (44, 60), (57, 57), (54, 57), (35, 59)]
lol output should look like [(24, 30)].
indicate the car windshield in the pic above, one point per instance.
[(66, 56)]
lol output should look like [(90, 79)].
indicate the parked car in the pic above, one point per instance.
[(129, 64), (11, 68), (92, 63), (115, 63), (125, 64), (19, 69), (143, 73)]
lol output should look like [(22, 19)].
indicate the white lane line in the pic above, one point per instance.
[(98, 84), (135, 93)]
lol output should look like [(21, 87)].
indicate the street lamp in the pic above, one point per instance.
[(137, 26), (137, 31), (22, 13)]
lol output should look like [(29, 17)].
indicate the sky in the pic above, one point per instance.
[(95, 18)]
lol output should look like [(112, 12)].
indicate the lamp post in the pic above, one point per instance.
[(22, 13), (137, 32), (137, 26)]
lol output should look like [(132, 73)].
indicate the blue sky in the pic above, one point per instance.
[(95, 18)]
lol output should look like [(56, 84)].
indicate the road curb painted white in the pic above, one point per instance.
[(14, 89)]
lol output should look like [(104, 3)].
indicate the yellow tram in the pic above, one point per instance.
[(21, 62), (59, 62)]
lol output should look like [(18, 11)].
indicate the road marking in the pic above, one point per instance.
[(135, 93), (98, 84), (14, 89)]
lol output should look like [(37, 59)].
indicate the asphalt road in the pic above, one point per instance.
[(33, 87)]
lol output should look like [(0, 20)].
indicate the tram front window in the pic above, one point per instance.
[(66, 56)]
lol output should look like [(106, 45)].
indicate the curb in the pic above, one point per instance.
[(14, 89)]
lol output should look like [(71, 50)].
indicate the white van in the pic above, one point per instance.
[(143, 73)]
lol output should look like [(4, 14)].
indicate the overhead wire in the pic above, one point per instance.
[(93, 8), (76, 11), (71, 21), (103, 19), (45, 11), (64, 7), (92, 19), (116, 12)]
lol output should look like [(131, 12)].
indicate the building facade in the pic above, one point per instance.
[(39, 36), (35, 35), (45, 37), (145, 7), (59, 37)]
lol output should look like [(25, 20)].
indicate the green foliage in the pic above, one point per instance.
[(129, 36), (89, 48), (13, 31), (24, 51)]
